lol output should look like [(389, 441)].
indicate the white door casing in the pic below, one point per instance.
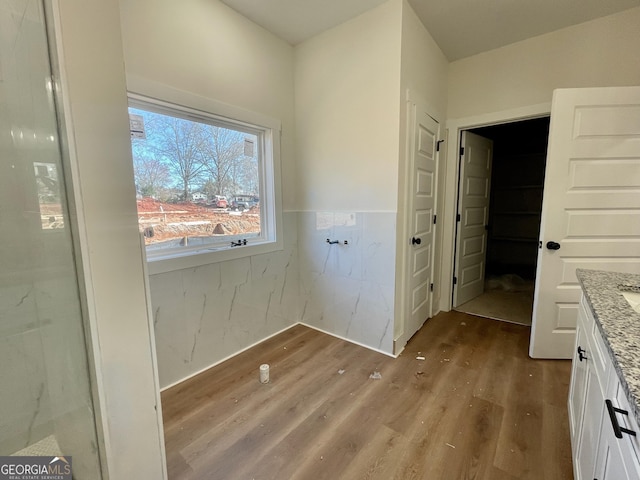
[(591, 205), (422, 185), (473, 207), (455, 127)]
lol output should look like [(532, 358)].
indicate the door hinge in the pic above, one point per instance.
[(431, 287), (438, 145), (434, 219), (461, 151), (455, 280), (457, 217)]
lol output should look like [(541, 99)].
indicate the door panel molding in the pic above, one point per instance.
[(417, 230), (594, 223), (473, 207)]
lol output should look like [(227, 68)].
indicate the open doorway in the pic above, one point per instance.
[(513, 223)]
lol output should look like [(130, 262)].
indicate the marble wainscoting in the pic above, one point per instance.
[(64, 352), (206, 314), (348, 290), (44, 362), (24, 399)]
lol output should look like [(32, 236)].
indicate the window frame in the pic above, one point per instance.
[(168, 101)]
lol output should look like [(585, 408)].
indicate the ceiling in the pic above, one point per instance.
[(460, 27)]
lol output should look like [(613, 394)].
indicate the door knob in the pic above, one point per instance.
[(553, 245), (415, 241)]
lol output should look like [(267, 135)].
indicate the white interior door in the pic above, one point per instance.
[(423, 176), (473, 210), (590, 208)]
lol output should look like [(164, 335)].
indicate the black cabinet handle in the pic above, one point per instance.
[(581, 353), (415, 241), (553, 246), (617, 429)]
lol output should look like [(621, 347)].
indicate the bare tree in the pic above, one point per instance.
[(172, 152), (151, 174), (223, 150), (247, 175), (220, 160), (181, 143)]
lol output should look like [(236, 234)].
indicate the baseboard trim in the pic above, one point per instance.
[(162, 389), (348, 340), (267, 338)]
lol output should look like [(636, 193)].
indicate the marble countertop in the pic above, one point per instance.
[(619, 325)]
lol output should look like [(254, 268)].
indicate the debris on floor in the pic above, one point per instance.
[(464, 324), (420, 357), (375, 376), (508, 282), (264, 373), (449, 445), (341, 371)]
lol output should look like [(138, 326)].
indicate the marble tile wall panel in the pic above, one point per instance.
[(205, 314), (348, 290), (24, 401), (208, 313)]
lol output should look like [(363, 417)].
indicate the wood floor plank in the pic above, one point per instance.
[(280, 418), (556, 446), (477, 407), (520, 439), (377, 460), (197, 417)]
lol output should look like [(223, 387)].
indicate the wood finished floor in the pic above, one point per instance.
[(477, 408)]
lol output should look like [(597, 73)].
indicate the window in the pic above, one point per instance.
[(48, 188), (206, 184)]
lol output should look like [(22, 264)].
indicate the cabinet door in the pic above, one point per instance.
[(577, 392), (610, 462), (590, 431), (616, 460)]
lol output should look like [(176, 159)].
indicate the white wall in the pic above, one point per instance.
[(518, 80), (205, 314), (96, 109), (602, 52), (205, 48), (347, 83), (424, 66), (424, 78)]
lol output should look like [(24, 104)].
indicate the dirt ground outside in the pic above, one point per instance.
[(170, 221)]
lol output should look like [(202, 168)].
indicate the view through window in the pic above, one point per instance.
[(198, 179)]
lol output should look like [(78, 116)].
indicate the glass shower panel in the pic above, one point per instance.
[(45, 396)]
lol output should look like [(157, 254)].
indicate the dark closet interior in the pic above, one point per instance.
[(517, 178)]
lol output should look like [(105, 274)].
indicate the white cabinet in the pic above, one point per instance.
[(614, 461), (586, 399), (611, 466), (597, 452), (578, 389)]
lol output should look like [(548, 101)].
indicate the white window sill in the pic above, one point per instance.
[(191, 259)]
